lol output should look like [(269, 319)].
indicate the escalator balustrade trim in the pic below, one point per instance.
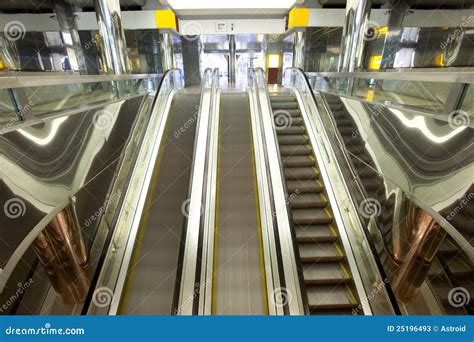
[(327, 279)]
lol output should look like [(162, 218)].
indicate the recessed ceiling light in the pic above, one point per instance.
[(220, 4)]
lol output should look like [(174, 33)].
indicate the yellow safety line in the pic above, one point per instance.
[(334, 230), (144, 218), (259, 223), (216, 222)]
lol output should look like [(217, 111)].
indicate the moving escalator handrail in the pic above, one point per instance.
[(173, 78), (300, 79), (199, 222), (358, 246), (114, 268), (282, 213)]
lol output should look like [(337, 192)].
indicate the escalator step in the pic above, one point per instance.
[(303, 186), (292, 139), (300, 173), (315, 233), (351, 140), (308, 201), (329, 297), (333, 312), (345, 123), (459, 268), (346, 131), (310, 216), (292, 130), (295, 121), (282, 98), (290, 150), (359, 160), (356, 149), (293, 112), (319, 252), (371, 184), (365, 171), (284, 105), (324, 274), (298, 161)]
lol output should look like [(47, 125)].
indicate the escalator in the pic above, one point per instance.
[(328, 283), (238, 273), (151, 277)]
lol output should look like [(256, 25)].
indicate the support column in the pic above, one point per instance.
[(353, 34), (299, 49), (398, 10), (113, 44), (70, 36), (232, 58), (61, 250), (166, 48)]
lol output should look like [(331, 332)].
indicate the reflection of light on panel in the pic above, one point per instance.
[(52, 133), (404, 58), (419, 123), (375, 62), (273, 61)]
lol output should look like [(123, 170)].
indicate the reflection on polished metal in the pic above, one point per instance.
[(396, 17), (427, 236), (166, 48), (460, 76), (60, 249), (9, 54), (354, 30), (67, 25), (232, 58), (36, 174), (113, 45), (298, 49)]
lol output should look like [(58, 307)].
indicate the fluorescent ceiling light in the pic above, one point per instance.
[(220, 4)]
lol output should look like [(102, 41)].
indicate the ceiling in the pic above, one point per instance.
[(35, 6)]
